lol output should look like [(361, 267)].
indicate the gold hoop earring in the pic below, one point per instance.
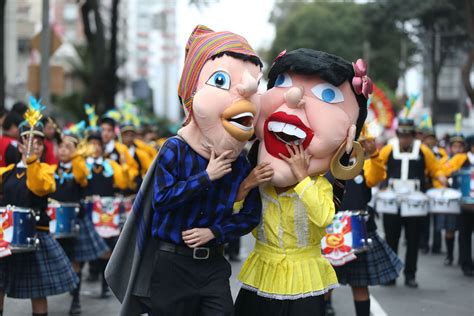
[(347, 172)]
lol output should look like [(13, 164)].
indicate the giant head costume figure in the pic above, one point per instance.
[(318, 100), (218, 91)]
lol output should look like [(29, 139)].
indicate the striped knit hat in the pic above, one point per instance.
[(202, 45)]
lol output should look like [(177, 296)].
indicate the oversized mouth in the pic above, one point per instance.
[(244, 121), (282, 129), (238, 120)]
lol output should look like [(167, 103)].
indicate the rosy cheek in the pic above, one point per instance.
[(209, 102), (270, 101), (330, 125)]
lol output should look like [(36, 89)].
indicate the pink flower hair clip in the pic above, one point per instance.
[(361, 82)]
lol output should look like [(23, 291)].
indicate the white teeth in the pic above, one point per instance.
[(289, 129), (242, 127), (276, 127), (242, 115)]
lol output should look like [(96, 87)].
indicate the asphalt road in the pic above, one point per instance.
[(443, 291)]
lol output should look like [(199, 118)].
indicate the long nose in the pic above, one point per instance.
[(249, 85), (294, 97)]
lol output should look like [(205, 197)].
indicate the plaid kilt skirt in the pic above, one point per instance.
[(42, 273), (447, 221), (88, 245), (377, 266)]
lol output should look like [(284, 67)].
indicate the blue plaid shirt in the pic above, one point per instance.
[(185, 197)]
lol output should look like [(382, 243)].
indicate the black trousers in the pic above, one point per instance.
[(185, 286), (466, 229), (425, 232), (413, 225), (248, 303), (436, 235)]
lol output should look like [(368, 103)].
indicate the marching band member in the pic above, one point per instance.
[(113, 149), (408, 160), (141, 152), (450, 222), (467, 220), (429, 139), (379, 264), (106, 177), (71, 178), (46, 271)]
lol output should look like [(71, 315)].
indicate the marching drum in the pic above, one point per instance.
[(63, 223), (345, 237), (106, 215), (444, 200), (414, 204), (18, 229), (386, 201)]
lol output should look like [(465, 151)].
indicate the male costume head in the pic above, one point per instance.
[(218, 91), (313, 98)]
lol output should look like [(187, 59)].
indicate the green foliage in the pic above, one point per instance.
[(343, 29)]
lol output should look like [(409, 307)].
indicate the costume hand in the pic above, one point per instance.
[(298, 161), (369, 146), (260, 174), (197, 237), (219, 166)]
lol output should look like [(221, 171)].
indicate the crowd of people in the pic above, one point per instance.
[(46, 165), (312, 175)]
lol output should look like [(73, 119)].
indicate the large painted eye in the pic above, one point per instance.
[(328, 93), (220, 79), (283, 80)]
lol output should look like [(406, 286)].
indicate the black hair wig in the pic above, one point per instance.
[(253, 59)]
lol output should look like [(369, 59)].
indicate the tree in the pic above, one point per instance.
[(466, 69), (346, 29), (440, 26)]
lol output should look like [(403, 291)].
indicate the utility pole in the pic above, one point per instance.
[(45, 47)]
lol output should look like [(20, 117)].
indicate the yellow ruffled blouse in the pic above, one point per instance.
[(287, 262)]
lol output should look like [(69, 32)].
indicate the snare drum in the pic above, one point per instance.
[(414, 204), (106, 216), (19, 229), (63, 222), (345, 237), (386, 202), (444, 200)]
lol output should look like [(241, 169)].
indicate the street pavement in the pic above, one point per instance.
[(443, 291)]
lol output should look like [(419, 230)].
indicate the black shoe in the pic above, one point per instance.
[(411, 282), (390, 283), (75, 308), (425, 250), (468, 272), (448, 261), (329, 310)]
